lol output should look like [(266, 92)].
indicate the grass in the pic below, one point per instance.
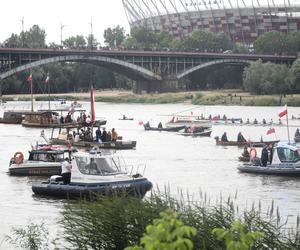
[(219, 97)]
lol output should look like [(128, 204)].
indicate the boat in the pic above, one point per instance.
[(52, 119), (45, 160), (125, 118), (285, 160), (188, 121), (13, 116), (195, 132), (63, 105), (93, 175), (169, 129), (244, 143)]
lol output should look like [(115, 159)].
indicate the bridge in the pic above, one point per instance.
[(152, 70)]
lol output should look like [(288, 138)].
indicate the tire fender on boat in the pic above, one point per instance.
[(253, 153), (18, 157)]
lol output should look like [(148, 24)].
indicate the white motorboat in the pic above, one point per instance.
[(42, 161), (284, 159), (95, 173)]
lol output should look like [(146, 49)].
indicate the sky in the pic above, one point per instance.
[(75, 15)]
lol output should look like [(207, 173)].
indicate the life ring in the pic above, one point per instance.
[(18, 157), (253, 153)]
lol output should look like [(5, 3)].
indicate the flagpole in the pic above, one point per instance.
[(31, 91), (48, 90), (287, 125)]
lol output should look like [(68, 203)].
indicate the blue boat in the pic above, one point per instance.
[(95, 174)]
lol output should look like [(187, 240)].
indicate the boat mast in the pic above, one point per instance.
[(48, 83)]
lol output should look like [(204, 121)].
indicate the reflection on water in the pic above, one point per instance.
[(180, 162)]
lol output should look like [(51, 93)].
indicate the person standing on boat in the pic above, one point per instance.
[(108, 136), (98, 135), (114, 135), (264, 156), (159, 125), (297, 133), (104, 135), (66, 171)]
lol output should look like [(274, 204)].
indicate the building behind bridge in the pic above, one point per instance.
[(242, 20)]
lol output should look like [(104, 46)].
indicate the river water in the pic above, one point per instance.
[(181, 163)]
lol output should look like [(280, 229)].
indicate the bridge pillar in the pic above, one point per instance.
[(155, 86)]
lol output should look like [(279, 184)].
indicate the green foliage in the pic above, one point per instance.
[(266, 78), (167, 233), (237, 237), (33, 237), (75, 42), (114, 37)]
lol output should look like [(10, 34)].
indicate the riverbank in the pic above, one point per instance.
[(216, 97)]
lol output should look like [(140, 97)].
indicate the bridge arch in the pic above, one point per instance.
[(207, 64), (119, 66)]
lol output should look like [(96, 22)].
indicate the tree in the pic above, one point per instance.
[(294, 79), (273, 42), (35, 37), (114, 37), (75, 42)]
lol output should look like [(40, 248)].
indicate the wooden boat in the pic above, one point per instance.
[(285, 161), (246, 143), (45, 160), (51, 119), (206, 132), (13, 116), (170, 129), (95, 174)]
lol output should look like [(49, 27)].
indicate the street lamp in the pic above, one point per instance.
[(91, 24), (22, 22), (61, 29)]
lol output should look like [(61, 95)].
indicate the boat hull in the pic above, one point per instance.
[(133, 187), (41, 170), (170, 129), (283, 171), (247, 143), (204, 134), (60, 125), (105, 145)]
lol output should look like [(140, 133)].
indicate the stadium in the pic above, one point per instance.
[(242, 20)]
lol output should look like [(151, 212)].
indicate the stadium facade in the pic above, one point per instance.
[(242, 20)]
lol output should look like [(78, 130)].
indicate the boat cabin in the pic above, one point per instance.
[(96, 166), (286, 153), (42, 117), (13, 117), (46, 155)]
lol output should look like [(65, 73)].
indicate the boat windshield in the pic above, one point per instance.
[(288, 155), (97, 166), (52, 157)]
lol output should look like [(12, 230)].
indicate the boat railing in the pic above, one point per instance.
[(136, 169)]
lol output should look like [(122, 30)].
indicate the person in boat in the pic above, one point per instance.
[(92, 167), (297, 133), (279, 122), (241, 121), (124, 117), (209, 117), (88, 134), (232, 120), (241, 138), (248, 121), (84, 117), (114, 135), (224, 117), (246, 153), (104, 135), (264, 156), (147, 124), (61, 120), (255, 121), (98, 134), (224, 137), (159, 125), (293, 117), (108, 136), (271, 122), (264, 121), (66, 171)]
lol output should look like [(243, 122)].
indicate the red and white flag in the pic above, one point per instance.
[(29, 78), (92, 107), (271, 131), (283, 111), (47, 80)]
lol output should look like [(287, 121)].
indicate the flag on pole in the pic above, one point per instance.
[(283, 111), (271, 131), (29, 78), (47, 80), (92, 107)]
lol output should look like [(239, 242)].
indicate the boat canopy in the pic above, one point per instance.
[(286, 153)]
